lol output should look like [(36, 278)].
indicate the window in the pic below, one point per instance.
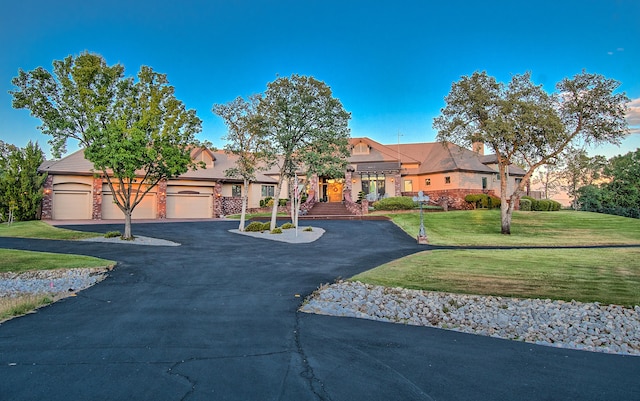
[(236, 190), (373, 184), (447, 180), (427, 181), (268, 190), (484, 182), (361, 149), (408, 186)]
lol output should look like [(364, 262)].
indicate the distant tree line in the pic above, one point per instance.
[(619, 190), (21, 185)]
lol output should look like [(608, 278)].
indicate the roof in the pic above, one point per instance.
[(76, 164)]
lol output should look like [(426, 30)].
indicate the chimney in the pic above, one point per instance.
[(478, 147)]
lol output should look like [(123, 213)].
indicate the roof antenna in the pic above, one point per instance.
[(399, 163)]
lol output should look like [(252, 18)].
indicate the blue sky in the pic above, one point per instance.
[(390, 63)]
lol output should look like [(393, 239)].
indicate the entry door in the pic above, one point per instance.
[(334, 192)]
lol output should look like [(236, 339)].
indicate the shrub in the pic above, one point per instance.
[(265, 202), (493, 202), (287, 226), (534, 202), (555, 206), (525, 205), (266, 226), (476, 200), (395, 203), (308, 229), (543, 205), (282, 202), (254, 226), (276, 230), (113, 234)]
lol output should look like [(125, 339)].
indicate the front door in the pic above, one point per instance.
[(334, 191)]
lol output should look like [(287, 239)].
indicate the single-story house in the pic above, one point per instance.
[(445, 172)]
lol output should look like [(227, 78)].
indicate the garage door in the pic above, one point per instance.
[(71, 205), (189, 206), (145, 209)]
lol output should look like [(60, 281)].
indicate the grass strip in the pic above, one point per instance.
[(42, 230), (608, 276), (21, 261), (482, 228)]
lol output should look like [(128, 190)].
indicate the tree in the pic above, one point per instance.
[(247, 140), (308, 128), (579, 170), (20, 183), (523, 124), (549, 179), (135, 133)]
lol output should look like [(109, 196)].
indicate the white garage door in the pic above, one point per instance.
[(189, 206), (145, 209), (71, 205)]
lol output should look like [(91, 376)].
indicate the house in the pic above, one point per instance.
[(445, 172)]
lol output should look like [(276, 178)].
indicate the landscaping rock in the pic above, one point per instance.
[(584, 326)]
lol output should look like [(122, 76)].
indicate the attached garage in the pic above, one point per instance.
[(71, 201), (189, 203), (144, 210)]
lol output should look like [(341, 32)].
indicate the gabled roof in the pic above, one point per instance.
[(76, 164), (441, 157)]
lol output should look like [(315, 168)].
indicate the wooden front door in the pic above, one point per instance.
[(334, 192)]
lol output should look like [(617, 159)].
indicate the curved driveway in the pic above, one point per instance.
[(216, 319)]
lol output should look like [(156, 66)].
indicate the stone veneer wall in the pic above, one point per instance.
[(217, 201), (451, 198), (47, 199), (96, 199), (231, 205)]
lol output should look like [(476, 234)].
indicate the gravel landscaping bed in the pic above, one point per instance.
[(56, 281), (576, 325)]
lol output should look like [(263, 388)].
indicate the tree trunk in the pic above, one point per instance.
[(127, 226), (276, 201), (505, 213), (245, 199)]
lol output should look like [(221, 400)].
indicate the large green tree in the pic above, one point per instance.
[(134, 131), (308, 128), (21, 185), (247, 140), (523, 124)]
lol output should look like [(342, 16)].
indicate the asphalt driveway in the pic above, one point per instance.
[(216, 319)]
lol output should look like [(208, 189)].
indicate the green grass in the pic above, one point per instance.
[(18, 306), (39, 229), (20, 261), (482, 227), (609, 276)]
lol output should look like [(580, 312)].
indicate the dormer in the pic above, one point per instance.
[(360, 148), (204, 155)]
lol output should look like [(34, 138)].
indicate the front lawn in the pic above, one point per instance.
[(482, 228), (42, 230), (608, 276)]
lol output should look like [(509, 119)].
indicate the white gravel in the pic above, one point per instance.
[(57, 281), (138, 240), (576, 325)]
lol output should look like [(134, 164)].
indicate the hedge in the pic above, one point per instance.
[(483, 201), (395, 203)]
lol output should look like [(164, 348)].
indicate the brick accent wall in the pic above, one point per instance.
[(47, 199), (96, 199), (162, 199), (397, 183)]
